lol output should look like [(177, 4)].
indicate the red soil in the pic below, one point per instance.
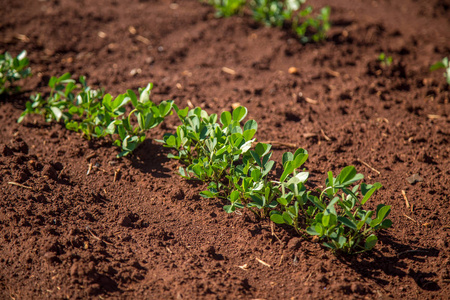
[(148, 234)]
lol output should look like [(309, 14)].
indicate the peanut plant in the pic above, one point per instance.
[(385, 60), (312, 29), (97, 115), (11, 70), (283, 14), (227, 8), (443, 64), (223, 156)]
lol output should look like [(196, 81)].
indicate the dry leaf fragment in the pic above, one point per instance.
[(293, 70), (132, 30), (228, 71)]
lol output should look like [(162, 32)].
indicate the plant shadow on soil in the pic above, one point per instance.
[(373, 263), (149, 158)]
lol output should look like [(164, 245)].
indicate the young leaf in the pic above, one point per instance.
[(239, 113), (225, 118), (347, 222), (371, 241), (277, 218)]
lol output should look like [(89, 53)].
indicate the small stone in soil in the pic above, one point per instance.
[(414, 179), (125, 221)]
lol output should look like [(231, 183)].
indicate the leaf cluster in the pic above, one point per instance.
[(443, 64), (337, 215), (312, 29), (96, 114), (277, 13), (227, 8), (274, 13), (222, 154), (11, 70), (384, 59)]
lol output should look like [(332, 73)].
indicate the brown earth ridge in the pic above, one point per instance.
[(132, 228)]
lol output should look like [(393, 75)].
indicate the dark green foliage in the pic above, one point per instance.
[(11, 70), (276, 13), (443, 64), (97, 115), (223, 156), (227, 8), (385, 60)]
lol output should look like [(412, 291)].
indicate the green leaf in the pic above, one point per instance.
[(287, 156), (329, 245), (282, 201), (64, 77), (239, 113), (437, 66), (312, 231), (368, 194), (165, 107), (234, 196), (133, 97), (246, 146), (371, 241), (347, 222), (288, 169), (225, 118), (229, 208), (251, 125), (256, 175), (268, 167), (207, 194), (262, 149), (287, 218), (326, 220), (299, 159), (144, 96), (56, 112), (277, 218), (120, 101), (171, 141), (347, 174), (249, 134), (383, 211), (300, 177)]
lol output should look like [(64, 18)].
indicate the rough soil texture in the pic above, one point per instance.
[(147, 234)]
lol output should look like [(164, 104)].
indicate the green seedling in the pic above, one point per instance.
[(227, 8), (274, 12), (341, 220), (385, 60), (147, 114), (97, 115), (443, 64), (210, 150), (11, 70), (293, 197), (220, 155), (318, 25), (55, 106), (223, 156)]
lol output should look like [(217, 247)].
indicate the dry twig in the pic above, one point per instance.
[(263, 262), (406, 199), (20, 185), (369, 166)]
